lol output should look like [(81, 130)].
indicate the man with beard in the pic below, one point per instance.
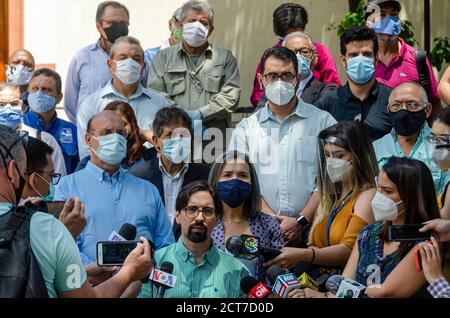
[(202, 270)]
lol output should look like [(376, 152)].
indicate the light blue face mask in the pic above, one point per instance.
[(177, 150), (40, 102), (51, 191), (389, 25), (112, 148), (10, 116), (304, 66), (360, 69)]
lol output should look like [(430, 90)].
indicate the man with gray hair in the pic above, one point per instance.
[(200, 77), (409, 108), (126, 64), (310, 89)]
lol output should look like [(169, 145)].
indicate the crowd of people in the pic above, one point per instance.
[(316, 178)]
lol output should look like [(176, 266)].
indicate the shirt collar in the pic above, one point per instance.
[(212, 256), (403, 50), (110, 90), (35, 118), (207, 52), (373, 91), (303, 84), (102, 175), (266, 114), (5, 208), (164, 171)]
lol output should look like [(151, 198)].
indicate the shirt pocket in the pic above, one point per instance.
[(213, 79), (306, 150), (175, 82)]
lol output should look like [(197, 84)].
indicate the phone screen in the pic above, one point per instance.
[(407, 232), (114, 253)]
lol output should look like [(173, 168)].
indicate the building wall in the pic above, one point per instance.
[(56, 29)]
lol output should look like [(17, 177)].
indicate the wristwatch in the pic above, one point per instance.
[(302, 221)]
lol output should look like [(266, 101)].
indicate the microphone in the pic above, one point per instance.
[(333, 283), (307, 282), (127, 232), (345, 287), (254, 289), (248, 247), (284, 283), (163, 278)]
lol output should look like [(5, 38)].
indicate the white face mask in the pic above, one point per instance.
[(384, 209), (280, 93), (441, 157), (128, 71), (338, 169), (195, 34), (19, 74)]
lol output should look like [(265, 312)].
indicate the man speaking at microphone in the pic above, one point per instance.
[(200, 268)]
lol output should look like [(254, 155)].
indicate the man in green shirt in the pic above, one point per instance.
[(202, 270), (198, 76)]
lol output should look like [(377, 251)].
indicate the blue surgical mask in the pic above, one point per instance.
[(10, 116), (177, 150), (51, 191), (304, 66), (360, 69), (40, 102), (234, 192), (112, 148), (389, 25)]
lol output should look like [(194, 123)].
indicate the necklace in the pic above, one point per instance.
[(232, 222)]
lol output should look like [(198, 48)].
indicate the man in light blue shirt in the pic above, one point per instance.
[(409, 108), (280, 140), (111, 195), (126, 66), (88, 71)]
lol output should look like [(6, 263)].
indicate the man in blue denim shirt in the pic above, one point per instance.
[(111, 195)]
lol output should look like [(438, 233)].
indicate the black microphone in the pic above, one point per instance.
[(254, 289), (273, 272), (244, 246), (333, 283), (168, 268), (128, 231)]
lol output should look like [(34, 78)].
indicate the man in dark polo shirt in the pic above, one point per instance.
[(362, 98)]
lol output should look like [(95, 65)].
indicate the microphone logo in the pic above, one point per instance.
[(164, 278)]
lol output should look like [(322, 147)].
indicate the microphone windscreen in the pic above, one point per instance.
[(128, 231), (333, 283), (234, 245), (273, 272), (167, 267), (247, 283)]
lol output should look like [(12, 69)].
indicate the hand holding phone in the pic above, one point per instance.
[(407, 232)]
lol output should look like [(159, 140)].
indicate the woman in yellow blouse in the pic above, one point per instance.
[(346, 184)]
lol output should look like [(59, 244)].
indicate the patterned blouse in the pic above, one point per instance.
[(265, 227)]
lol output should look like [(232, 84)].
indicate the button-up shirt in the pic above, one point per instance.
[(388, 146), (218, 275), (403, 68), (111, 201), (145, 103), (63, 131), (214, 90), (284, 153), (372, 112), (440, 288), (172, 185)]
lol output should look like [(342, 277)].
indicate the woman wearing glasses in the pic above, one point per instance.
[(235, 179)]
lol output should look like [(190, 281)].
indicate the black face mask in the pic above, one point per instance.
[(116, 31), (408, 123)]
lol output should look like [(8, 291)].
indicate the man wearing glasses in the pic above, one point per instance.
[(280, 140), (202, 270), (409, 108)]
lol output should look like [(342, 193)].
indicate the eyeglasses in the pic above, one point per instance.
[(55, 177), (411, 105), (193, 211), (287, 77), (115, 22), (303, 51), (438, 139)]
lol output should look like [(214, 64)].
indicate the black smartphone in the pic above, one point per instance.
[(407, 232), (55, 207), (114, 253)]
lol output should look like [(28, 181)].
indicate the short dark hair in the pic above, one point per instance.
[(49, 73), (289, 15), (37, 152), (358, 34), (102, 7), (280, 53), (194, 187), (444, 115), (169, 116)]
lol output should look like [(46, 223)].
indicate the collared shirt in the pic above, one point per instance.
[(440, 288), (303, 84), (388, 146), (57, 155), (344, 106), (403, 68), (218, 275), (284, 153), (172, 185), (215, 88), (112, 201), (145, 103), (64, 132), (150, 53), (88, 72), (55, 251)]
